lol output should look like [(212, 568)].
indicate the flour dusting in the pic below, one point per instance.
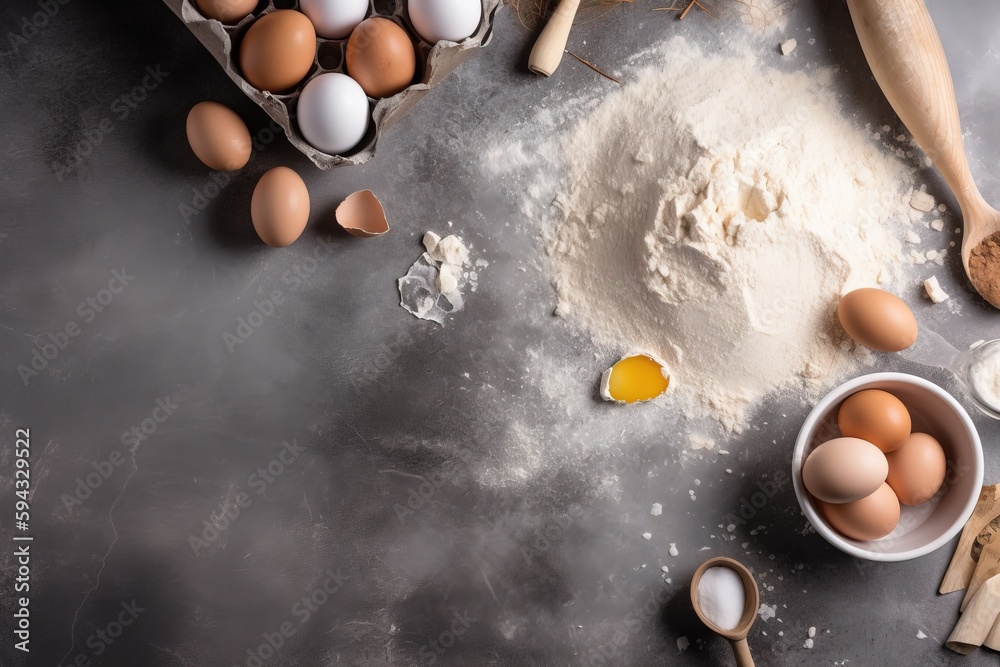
[(716, 227)]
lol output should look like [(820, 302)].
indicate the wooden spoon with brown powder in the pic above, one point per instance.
[(905, 54)]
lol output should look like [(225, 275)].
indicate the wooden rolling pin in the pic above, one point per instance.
[(905, 54), (547, 52)]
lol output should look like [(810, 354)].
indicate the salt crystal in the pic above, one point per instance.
[(656, 509), (788, 46), (921, 201), (934, 290)]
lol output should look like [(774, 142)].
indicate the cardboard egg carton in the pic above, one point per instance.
[(434, 63)]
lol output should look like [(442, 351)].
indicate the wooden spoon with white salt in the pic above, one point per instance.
[(738, 627), (904, 51)]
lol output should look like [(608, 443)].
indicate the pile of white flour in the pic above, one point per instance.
[(715, 210)]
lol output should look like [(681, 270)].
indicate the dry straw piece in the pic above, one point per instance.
[(532, 13), (758, 13)]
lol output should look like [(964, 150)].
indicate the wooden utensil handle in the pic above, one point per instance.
[(548, 50), (742, 652), (904, 51)]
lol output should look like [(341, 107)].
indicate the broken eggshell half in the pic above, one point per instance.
[(361, 214), (635, 378)]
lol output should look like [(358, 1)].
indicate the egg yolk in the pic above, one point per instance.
[(637, 378)]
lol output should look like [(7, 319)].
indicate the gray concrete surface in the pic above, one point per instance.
[(457, 491)]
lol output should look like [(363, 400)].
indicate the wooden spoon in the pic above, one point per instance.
[(737, 636), (905, 54)]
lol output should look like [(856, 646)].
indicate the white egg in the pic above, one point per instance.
[(333, 113), (450, 20), (334, 19)]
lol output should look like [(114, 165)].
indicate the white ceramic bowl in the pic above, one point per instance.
[(922, 528)]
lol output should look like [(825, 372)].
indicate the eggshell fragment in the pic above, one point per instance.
[(869, 518), (917, 469), (361, 214), (280, 207), (877, 319), (843, 470), (876, 416), (218, 136)]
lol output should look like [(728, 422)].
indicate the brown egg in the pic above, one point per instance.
[(227, 11), (278, 50), (876, 416), (917, 469), (380, 56), (867, 519), (843, 470), (279, 207), (218, 136), (877, 319), (361, 214)]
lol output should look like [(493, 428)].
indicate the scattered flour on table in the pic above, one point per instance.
[(714, 211)]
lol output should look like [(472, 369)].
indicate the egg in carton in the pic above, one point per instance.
[(434, 63)]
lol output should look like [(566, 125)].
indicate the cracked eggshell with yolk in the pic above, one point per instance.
[(635, 378)]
